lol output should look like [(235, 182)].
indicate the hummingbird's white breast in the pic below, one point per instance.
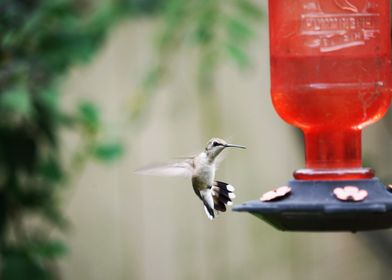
[(204, 170)]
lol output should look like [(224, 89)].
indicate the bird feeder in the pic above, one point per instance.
[(330, 77)]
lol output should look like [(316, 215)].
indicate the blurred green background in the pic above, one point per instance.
[(92, 90)]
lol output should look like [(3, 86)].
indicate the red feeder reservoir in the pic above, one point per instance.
[(330, 77)]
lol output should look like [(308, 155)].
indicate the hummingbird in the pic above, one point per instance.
[(215, 195)]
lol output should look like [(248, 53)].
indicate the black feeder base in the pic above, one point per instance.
[(312, 206)]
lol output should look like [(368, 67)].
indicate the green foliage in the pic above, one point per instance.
[(46, 249), (51, 170), (108, 151), (19, 265), (16, 101), (89, 121), (27, 261), (40, 40), (88, 117)]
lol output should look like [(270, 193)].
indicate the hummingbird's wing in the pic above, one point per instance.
[(182, 168)]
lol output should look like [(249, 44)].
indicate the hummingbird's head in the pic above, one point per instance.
[(216, 145)]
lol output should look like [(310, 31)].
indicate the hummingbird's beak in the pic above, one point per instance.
[(234, 146)]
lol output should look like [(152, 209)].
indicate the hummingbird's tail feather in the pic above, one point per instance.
[(209, 211), (208, 201), (216, 197), (219, 205), (222, 194)]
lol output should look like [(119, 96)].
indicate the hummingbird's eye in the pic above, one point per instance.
[(214, 144)]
